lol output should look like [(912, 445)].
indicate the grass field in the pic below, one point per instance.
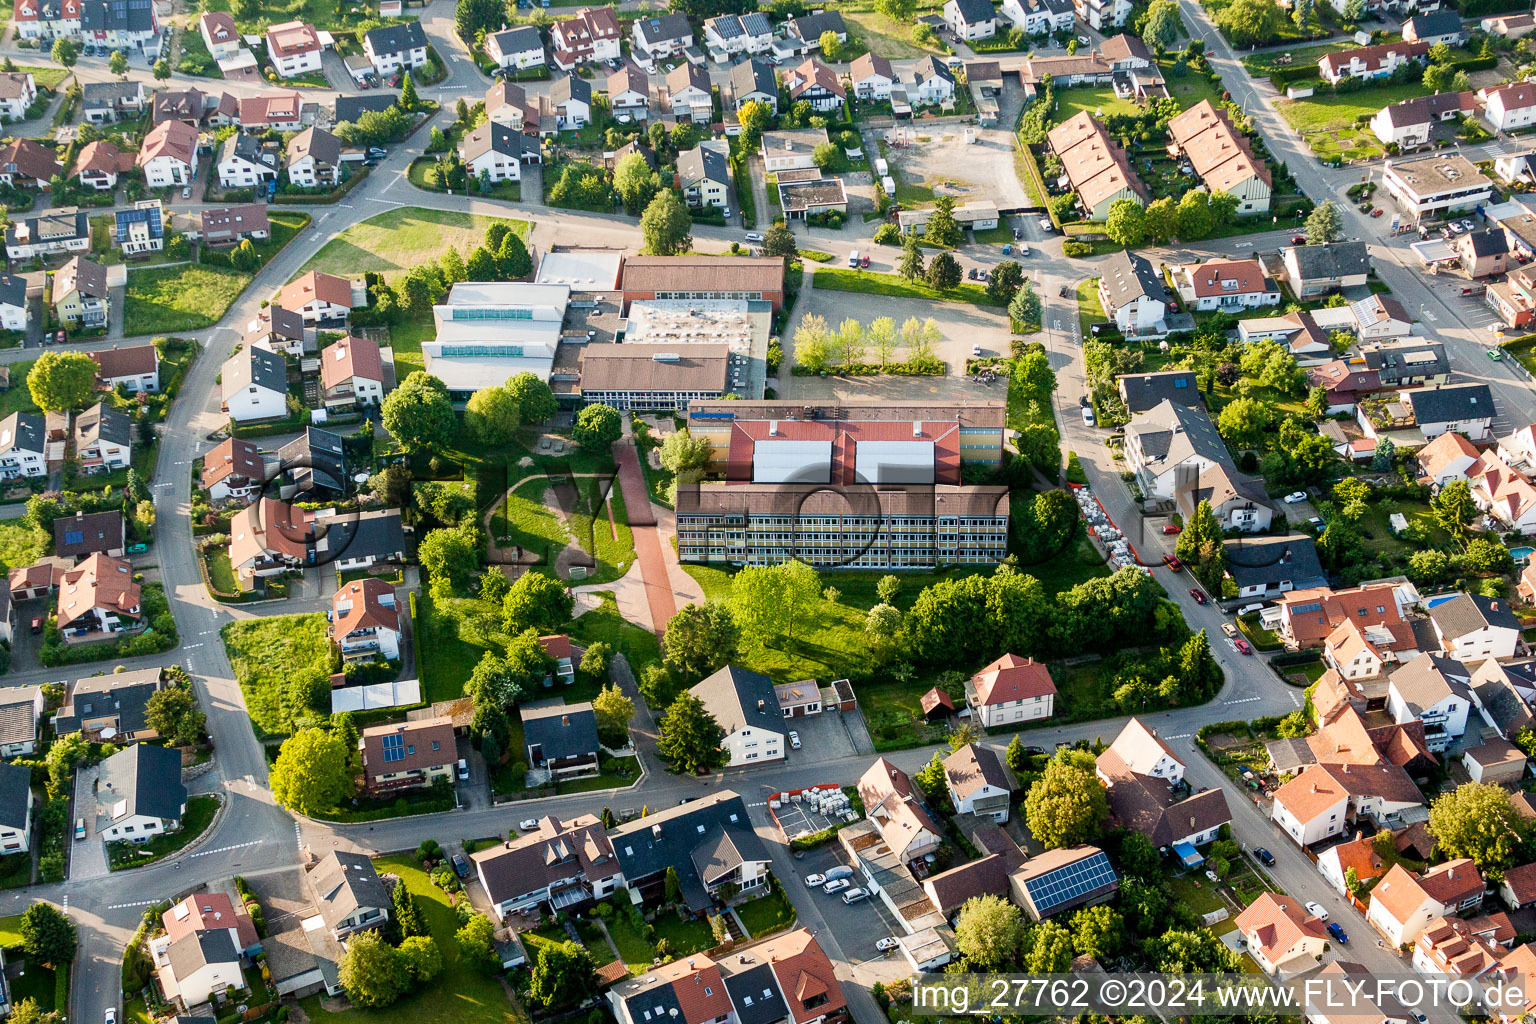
[(18, 398), (1327, 123), (21, 543), (840, 280), (460, 995), (170, 300), (527, 521), (276, 659), (1089, 309), (683, 938), (396, 241), (1261, 65)]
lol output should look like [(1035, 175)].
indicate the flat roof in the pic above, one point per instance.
[(676, 322), (471, 373), (582, 269)]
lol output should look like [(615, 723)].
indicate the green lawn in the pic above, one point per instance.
[(10, 932), (604, 623), (21, 543), (39, 983), (1377, 533), (527, 521), (405, 339), (200, 812), (766, 914), (396, 241), (1100, 103), (460, 995), (1089, 309), (1263, 64), (282, 662), (444, 673), (895, 718), (222, 574), (871, 283), (1324, 113), (683, 938), (18, 398), (1078, 564), (170, 300)]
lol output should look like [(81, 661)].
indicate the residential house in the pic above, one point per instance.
[(817, 84), (103, 439), (929, 83), (1238, 502), (1408, 124), (25, 163), (1096, 168), (1282, 937), (893, 805), (231, 225), (369, 539), (99, 595), (1407, 362), (219, 33), (593, 35), (255, 386), (16, 807), (1143, 391), (1343, 383), (1220, 154), (703, 175), (571, 100), (46, 19), (507, 103), (13, 302), (1369, 61), (109, 707), (408, 755), (1313, 270), (98, 165), (1040, 17), (1467, 408), (1223, 283), (269, 537), (1511, 106), (314, 158), (212, 911), (1447, 458), (319, 298), (1147, 793), (560, 864), (22, 446), (497, 151), (689, 93), (17, 93), (139, 794), (1432, 27), (1379, 317), (1132, 296), (872, 77), (1169, 445), (1483, 253), (971, 19), (1435, 185), (1263, 568), (246, 162), (1322, 800), (731, 34), (1518, 449), (121, 26), (82, 534), (1472, 628), (978, 783), (629, 92), (293, 48), (1011, 690), (1504, 493), (1306, 618), (348, 893), (198, 966), (520, 47), (21, 708), (281, 112), (1358, 855), (659, 37), (1496, 762), (141, 229), (351, 373), (1432, 689), (1510, 26), (708, 843), (168, 157), (753, 80), (402, 46), (234, 469), (314, 465), (280, 331), (809, 28), (365, 621), (189, 105), (1403, 904), (747, 709), (1063, 879), (791, 150), (1103, 14), (560, 738)]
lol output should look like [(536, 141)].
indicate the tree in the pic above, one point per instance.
[(563, 972), (477, 943), (118, 63), (28, 1011), (613, 711), (888, 588), (492, 414), (594, 661), (161, 70), (1126, 224), (598, 426), (420, 956), (780, 241), (1025, 309), (408, 100), (754, 116), (1197, 218), (173, 713), (831, 47), (1004, 282), (686, 457), (942, 227), (493, 684), (1354, 10), (1246, 22), (943, 273), (536, 401), (897, 10), (418, 413), (1065, 806), (1047, 949), (536, 601), (450, 557), (1453, 509), (1033, 372), (767, 600), (311, 773), (666, 226), (1476, 820), (910, 266), (672, 885), (512, 259), (700, 639), (987, 932), (372, 971), (1242, 420), (48, 935), (688, 737), (1324, 224), (61, 381), (824, 155), (635, 183), (882, 623), (65, 51), (1163, 25)]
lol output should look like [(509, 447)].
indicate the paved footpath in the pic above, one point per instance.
[(642, 527)]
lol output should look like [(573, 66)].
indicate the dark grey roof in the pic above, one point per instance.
[(257, 366), (1127, 277), (648, 846), (13, 290), (1252, 561), (23, 431), (571, 87), (974, 12), (117, 15), (519, 38), (755, 993), (15, 788), (1336, 259), (1143, 391), (315, 459), (343, 882), (755, 23), (664, 27), (738, 698), (753, 75), (248, 147), (1455, 403), (702, 164), (560, 731), (79, 221), (350, 108), (286, 323), (932, 67), (147, 779), (1390, 360), (1491, 242), (494, 136), (1503, 703), (657, 1003), (1434, 23), (317, 143), (726, 26), (196, 950), (1467, 613), (109, 94), (811, 26), (84, 534), (101, 422), (1170, 434), (377, 533), (401, 38), (123, 695)]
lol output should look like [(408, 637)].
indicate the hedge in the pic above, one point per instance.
[(332, 196), (344, 816), (1281, 76)]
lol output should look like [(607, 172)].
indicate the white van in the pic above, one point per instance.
[(853, 259)]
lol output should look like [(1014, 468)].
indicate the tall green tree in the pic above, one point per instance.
[(563, 972), (174, 714), (118, 63), (1025, 309), (536, 601), (476, 940), (536, 401), (700, 639), (944, 273), (689, 737), (48, 935), (62, 381), (598, 426), (1324, 223), (492, 415), (1004, 282), (942, 227), (1126, 224), (65, 51), (635, 183), (512, 259), (911, 267), (1454, 510), (372, 971), (1163, 25), (987, 932), (419, 413), (311, 773), (771, 601), (1065, 806), (1476, 820), (665, 226), (1199, 547)]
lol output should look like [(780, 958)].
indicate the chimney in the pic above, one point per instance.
[(760, 706), (565, 720), (1314, 787), (656, 831)]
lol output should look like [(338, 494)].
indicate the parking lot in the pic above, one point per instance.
[(857, 926)]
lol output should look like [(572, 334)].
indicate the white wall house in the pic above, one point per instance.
[(1011, 690), (392, 48), (1403, 905), (746, 707), (521, 47), (1473, 628), (971, 19), (1432, 689)]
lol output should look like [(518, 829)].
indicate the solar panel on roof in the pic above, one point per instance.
[(1070, 882), (394, 748)]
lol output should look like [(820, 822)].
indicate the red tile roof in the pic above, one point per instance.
[(1012, 678)]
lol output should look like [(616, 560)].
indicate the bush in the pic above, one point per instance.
[(887, 234)]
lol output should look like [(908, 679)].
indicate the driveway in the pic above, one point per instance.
[(88, 859), (822, 737), (858, 925)]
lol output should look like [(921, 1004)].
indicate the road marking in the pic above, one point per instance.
[(760, 803), (188, 647), (1428, 315), (386, 202), (1243, 245), (226, 849), (1180, 736), (1242, 700), (125, 906), (298, 836)]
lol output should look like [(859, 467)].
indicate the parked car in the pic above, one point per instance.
[(111, 1015), (1496, 354), (79, 829), (1227, 629), (1198, 595), (377, 151), (1316, 522), (1243, 646), (754, 236), (1173, 563), (854, 895), (1316, 910), (1294, 497), (1046, 225), (1338, 934), (836, 885), (37, 624), (863, 260), (1265, 857), (528, 824), (186, 193), (463, 770), (794, 740), (976, 351), (1298, 239), (812, 881), (460, 865), (1172, 528), (1088, 418), (886, 944)]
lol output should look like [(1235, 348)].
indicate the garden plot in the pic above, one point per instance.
[(929, 166)]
